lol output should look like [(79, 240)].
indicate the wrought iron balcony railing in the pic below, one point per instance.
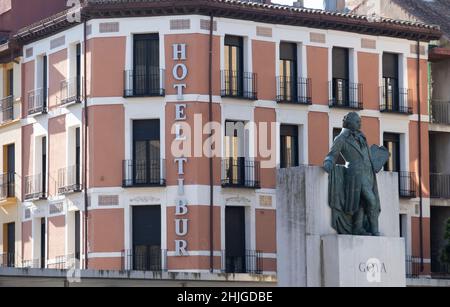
[(407, 185), (7, 260), (440, 186), (412, 266), (144, 258), (297, 91), (7, 110), (144, 173), (241, 173), (396, 100), (144, 83), (239, 84), (69, 180), (440, 112), (344, 94), (37, 101), (71, 90), (7, 185), (250, 263), (34, 187)]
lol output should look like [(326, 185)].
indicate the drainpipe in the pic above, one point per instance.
[(211, 164), (419, 132), (85, 176)]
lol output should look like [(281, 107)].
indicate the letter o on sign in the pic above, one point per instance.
[(176, 72)]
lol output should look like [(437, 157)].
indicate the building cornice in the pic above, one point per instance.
[(265, 13)]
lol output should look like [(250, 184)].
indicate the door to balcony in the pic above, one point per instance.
[(146, 163), (145, 76), (235, 255), (11, 170), (8, 256), (146, 252)]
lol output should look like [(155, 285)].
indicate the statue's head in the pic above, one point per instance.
[(352, 121)]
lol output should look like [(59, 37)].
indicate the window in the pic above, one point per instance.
[(146, 77), (237, 169), (9, 82), (145, 169), (288, 71), (77, 158), (289, 154), (390, 86), (234, 66), (44, 165), (392, 143), (37, 99), (341, 75)]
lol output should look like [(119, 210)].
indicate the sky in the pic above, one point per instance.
[(318, 4)]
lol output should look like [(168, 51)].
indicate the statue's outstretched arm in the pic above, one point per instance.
[(333, 155)]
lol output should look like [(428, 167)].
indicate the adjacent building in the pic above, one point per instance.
[(12, 17), (116, 173), (431, 12)]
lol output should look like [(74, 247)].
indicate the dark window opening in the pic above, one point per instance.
[(146, 254), (289, 155), (44, 166), (43, 235), (341, 74), (392, 143), (390, 86), (146, 77), (146, 167), (288, 71)]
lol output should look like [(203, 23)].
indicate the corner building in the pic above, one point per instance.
[(125, 71)]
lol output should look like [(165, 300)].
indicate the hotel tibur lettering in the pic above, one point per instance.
[(180, 72)]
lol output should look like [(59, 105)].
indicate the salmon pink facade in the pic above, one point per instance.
[(119, 114)]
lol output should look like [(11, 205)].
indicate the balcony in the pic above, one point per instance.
[(440, 186), (345, 94), (37, 101), (7, 260), (143, 173), (440, 112), (7, 110), (7, 186), (145, 259), (412, 266), (34, 187), (65, 262), (147, 83), (239, 85), (71, 91), (395, 100), (294, 91), (69, 180), (250, 263), (240, 173), (407, 186)]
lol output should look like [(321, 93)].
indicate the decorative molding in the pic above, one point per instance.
[(238, 200), (180, 24), (108, 200), (368, 43), (317, 38), (29, 52), (263, 31), (144, 200), (58, 42), (204, 24), (109, 27)]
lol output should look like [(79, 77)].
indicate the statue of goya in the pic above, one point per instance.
[(353, 191)]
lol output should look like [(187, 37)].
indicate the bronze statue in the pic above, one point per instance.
[(353, 192)]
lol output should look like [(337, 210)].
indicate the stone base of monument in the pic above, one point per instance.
[(352, 261), (311, 254)]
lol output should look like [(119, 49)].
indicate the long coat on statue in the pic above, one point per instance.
[(347, 183)]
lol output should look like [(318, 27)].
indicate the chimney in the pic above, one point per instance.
[(335, 5), (299, 4)]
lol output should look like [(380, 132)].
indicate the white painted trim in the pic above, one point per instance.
[(104, 255), (196, 253)]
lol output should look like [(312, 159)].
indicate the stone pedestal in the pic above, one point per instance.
[(304, 225), (351, 261)]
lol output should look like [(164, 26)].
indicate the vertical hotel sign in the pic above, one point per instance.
[(179, 73)]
